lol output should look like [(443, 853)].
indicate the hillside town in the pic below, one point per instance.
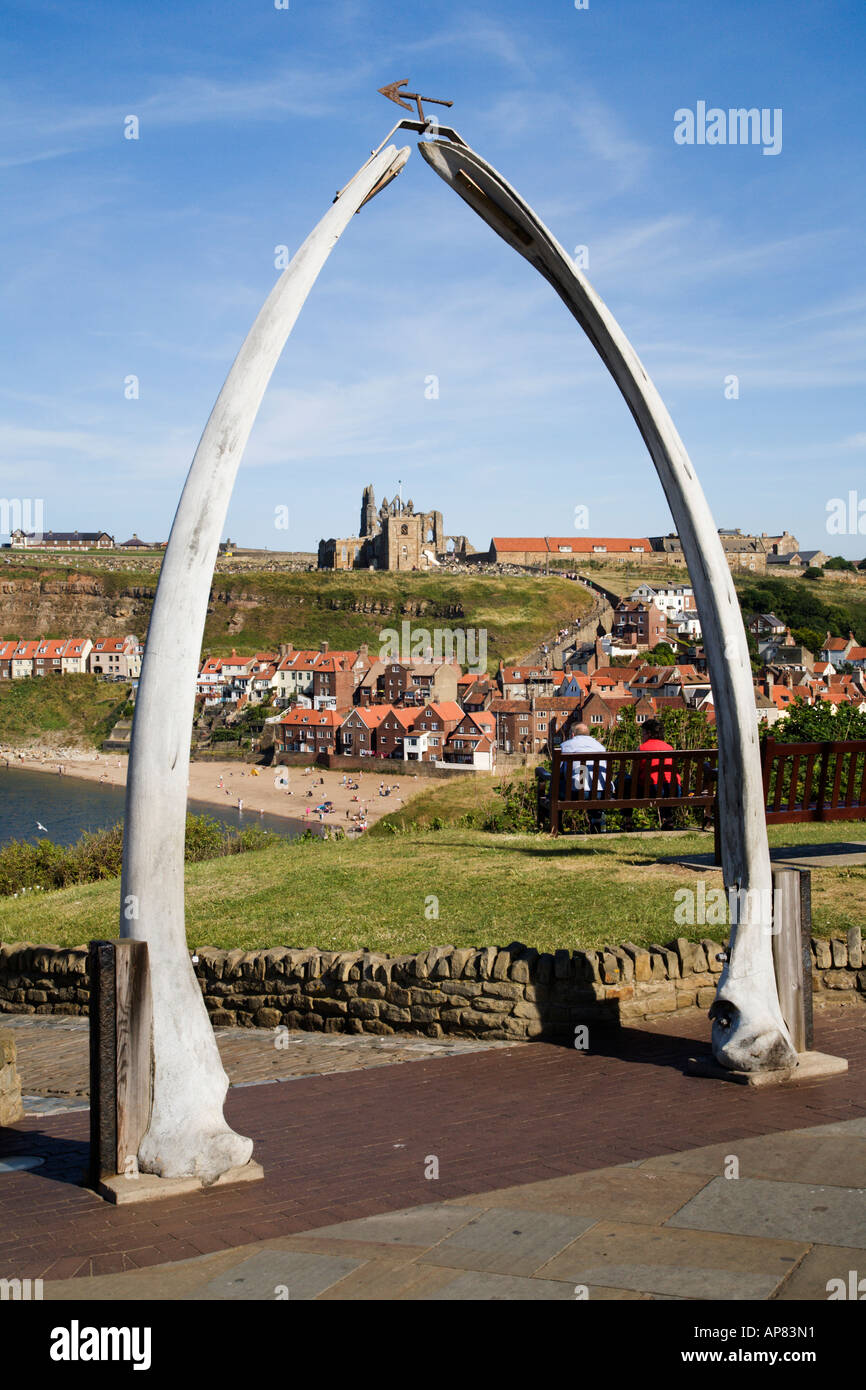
[(427, 709)]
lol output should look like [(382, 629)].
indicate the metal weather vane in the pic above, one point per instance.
[(393, 92)]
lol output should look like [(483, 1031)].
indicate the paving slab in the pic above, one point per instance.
[(685, 1263), (853, 1127), (422, 1226), (391, 1279), (624, 1193), (276, 1275), (824, 1155), (811, 1280), (781, 1210), (473, 1286), (508, 1241)]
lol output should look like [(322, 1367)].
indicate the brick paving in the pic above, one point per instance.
[(53, 1057), (351, 1145)]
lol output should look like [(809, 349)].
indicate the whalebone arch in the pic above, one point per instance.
[(187, 1133)]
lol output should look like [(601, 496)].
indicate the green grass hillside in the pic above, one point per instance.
[(74, 709), (383, 894), (348, 609), (258, 610)]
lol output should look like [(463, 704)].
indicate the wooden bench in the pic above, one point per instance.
[(822, 781), (814, 781), (624, 782)]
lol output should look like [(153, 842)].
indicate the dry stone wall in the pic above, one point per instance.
[(495, 992)]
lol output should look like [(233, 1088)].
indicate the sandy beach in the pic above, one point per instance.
[(290, 792)]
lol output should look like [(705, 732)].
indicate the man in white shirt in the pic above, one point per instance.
[(581, 741)]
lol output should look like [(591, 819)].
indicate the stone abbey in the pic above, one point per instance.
[(394, 537)]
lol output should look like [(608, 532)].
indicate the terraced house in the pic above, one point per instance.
[(359, 730), (430, 731), (119, 658), (307, 731)]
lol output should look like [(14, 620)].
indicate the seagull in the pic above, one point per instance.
[(40, 826)]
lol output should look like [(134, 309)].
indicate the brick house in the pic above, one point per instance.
[(513, 733), (638, 624), (521, 682), (334, 682), (6, 651), (472, 741), (393, 729), (416, 682), (48, 657), (428, 738), (307, 731), (359, 730)]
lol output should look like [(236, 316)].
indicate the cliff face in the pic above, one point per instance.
[(81, 606), (257, 611), (78, 606)]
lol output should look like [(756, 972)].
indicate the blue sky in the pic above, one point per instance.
[(152, 257)]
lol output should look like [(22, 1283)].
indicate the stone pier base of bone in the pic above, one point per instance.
[(809, 1066), (147, 1187)]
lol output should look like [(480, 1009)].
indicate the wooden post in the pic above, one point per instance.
[(806, 953), (134, 1048), (120, 1055), (555, 764), (103, 1062), (788, 954)]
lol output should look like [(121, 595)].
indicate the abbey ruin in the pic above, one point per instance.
[(394, 537)]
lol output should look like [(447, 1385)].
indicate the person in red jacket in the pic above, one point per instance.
[(664, 780)]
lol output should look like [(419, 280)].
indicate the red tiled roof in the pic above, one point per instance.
[(314, 718), (583, 545), (446, 709)]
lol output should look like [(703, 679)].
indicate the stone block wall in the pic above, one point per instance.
[(495, 992)]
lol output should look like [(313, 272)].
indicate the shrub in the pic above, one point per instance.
[(98, 854)]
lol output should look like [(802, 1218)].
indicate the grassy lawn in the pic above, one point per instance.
[(491, 889), (78, 709), (445, 800)]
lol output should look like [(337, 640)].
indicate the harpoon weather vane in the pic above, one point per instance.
[(392, 90)]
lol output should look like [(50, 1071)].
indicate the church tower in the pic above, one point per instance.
[(368, 512)]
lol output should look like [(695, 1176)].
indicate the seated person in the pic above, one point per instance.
[(662, 778), (581, 741)]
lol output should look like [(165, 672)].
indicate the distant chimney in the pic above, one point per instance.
[(285, 649), (323, 647)]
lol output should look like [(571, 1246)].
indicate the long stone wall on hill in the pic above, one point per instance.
[(496, 993)]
